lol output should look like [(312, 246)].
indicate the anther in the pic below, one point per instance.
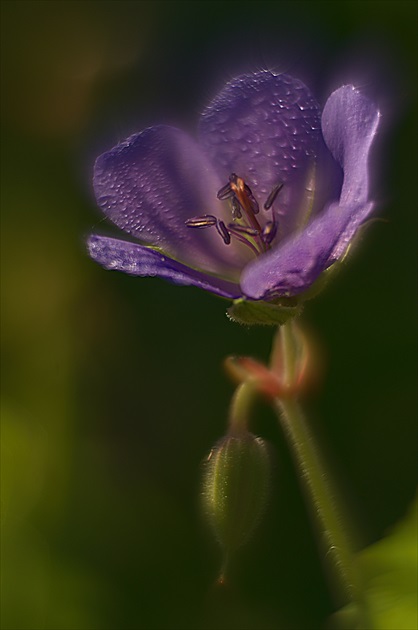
[(225, 192), (269, 232), (254, 203), (243, 193), (236, 208), (248, 190), (222, 230), (207, 220), (272, 196)]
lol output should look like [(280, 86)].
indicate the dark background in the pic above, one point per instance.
[(113, 389)]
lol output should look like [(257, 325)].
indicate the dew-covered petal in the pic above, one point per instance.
[(349, 124), (151, 183), (293, 266), (265, 128), (138, 260)]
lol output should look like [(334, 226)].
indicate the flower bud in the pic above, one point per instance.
[(235, 487)]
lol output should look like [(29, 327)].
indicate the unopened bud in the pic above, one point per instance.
[(235, 487)]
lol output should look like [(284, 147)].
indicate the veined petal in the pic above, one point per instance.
[(155, 180), (138, 260), (265, 128), (349, 124), (292, 267)]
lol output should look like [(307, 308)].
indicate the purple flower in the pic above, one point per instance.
[(269, 197)]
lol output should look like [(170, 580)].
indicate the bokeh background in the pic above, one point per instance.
[(113, 388)]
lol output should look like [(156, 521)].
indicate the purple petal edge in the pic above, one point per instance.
[(349, 125), (151, 183), (139, 260), (292, 268)]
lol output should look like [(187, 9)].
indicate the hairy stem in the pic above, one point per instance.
[(241, 406), (332, 539)]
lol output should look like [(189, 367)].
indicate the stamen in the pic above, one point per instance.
[(221, 227), (207, 220), (253, 201), (272, 196), (248, 190), (246, 199), (225, 192), (254, 204), (240, 188), (269, 232), (243, 206), (243, 239), (236, 208), (243, 229)]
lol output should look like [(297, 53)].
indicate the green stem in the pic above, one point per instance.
[(334, 543), (241, 406), (288, 351)]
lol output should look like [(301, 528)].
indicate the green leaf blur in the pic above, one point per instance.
[(389, 569)]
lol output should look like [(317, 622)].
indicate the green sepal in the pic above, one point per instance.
[(259, 313)]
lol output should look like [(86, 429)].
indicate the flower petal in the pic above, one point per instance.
[(292, 267), (265, 128), (349, 124), (151, 183), (138, 260)]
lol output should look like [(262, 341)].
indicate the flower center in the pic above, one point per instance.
[(244, 207)]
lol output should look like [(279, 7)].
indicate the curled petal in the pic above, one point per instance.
[(349, 123), (151, 183), (294, 266), (265, 128), (138, 260)]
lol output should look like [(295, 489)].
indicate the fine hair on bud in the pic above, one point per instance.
[(236, 481)]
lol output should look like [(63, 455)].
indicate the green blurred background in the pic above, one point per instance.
[(113, 390)]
